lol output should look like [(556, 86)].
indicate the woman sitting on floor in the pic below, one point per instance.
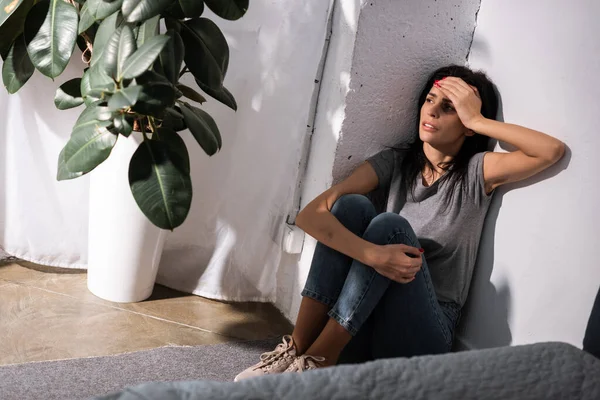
[(392, 284)]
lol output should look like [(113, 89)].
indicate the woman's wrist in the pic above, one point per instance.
[(477, 124), (371, 254)]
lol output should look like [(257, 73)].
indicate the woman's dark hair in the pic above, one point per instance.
[(414, 160)]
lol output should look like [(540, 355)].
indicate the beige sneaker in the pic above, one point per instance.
[(305, 363), (272, 362)]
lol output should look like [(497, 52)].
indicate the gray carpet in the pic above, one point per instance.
[(85, 377)]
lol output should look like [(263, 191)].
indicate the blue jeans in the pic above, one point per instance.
[(386, 318)]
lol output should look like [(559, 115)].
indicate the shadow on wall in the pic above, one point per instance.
[(487, 309), (229, 247), (485, 315)]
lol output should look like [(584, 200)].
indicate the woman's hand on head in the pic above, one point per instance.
[(465, 99), (394, 261)]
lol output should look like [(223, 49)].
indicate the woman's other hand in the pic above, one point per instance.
[(397, 262), (465, 99)]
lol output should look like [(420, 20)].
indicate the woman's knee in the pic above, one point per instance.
[(353, 203), (354, 211), (390, 228)]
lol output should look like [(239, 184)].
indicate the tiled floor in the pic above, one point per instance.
[(48, 314)]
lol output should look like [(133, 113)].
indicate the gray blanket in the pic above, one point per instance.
[(540, 371)]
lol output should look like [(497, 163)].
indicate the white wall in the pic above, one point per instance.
[(372, 75), (538, 267)]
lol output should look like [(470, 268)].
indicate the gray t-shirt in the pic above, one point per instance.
[(449, 236)]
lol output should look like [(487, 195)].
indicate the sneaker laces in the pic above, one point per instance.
[(306, 363), (281, 353)]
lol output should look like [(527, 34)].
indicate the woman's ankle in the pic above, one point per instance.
[(298, 346)]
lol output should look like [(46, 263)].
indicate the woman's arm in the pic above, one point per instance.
[(317, 220), (537, 151)]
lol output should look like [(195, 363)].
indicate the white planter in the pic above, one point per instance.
[(124, 248)]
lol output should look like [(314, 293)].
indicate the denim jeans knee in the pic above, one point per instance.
[(354, 211), (364, 287), (329, 267), (385, 229)]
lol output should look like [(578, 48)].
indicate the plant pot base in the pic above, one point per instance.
[(102, 289), (124, 247)]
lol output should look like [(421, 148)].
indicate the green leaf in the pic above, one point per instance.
[(202, 130), (89, 147), (144, 57), (161, 189), (222, 95), (141, 10), (124, 98), (175, 11), (105, 31), (147, 30), (228, 9), (50, 34), (123, 124), (63, 173), (174, 120), (210, 58), (91, 115), (182, 9), (68, 95), (86, 19), (86, 87), (151, 76), (7, 8), (100, 9), (154, 98), (177, 146), (210, 122), (191, 93), (99, 82), (174, 112), (191, 8), (13, 25), (171, 57), (172, 23), (119, 48), (17, 68)]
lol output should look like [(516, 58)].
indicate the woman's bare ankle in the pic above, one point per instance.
[(298, 345)]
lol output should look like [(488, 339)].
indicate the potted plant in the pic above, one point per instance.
[(134, 105)]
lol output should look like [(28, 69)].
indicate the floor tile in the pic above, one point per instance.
[(39, 325), (60, 280), (249, 321)]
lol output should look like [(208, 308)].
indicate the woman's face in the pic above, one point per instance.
[(439, 124)]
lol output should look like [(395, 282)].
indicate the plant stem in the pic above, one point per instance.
[(184, 71), (152, 124), (153, 127), (88, 42), (143, 128), (86, 55)]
